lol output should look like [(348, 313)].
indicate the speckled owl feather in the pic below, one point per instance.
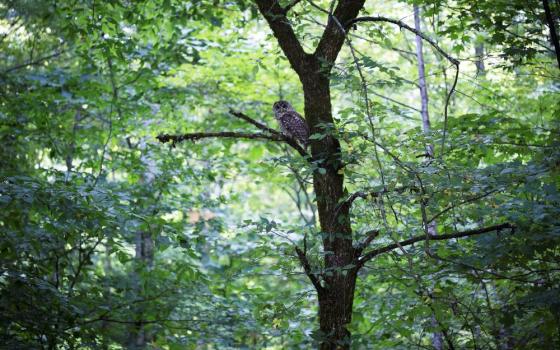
[(291, 122)]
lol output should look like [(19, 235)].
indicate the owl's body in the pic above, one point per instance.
[(291, 122)]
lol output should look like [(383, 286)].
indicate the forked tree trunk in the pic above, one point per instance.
[(336, 283), (336, 288)]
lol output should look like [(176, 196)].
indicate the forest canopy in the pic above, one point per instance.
[(279, 174)]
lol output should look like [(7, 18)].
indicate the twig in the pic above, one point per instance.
[(466, 201), (14, 26), (401, 24), (256, 123)]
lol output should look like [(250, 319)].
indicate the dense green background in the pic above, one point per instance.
[(87, 85)]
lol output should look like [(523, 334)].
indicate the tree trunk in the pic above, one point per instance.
[(335, 311), (422, 80), (138, 336), (431, 229), (479, 53), (552, 30), (336, 287), (339, 280)]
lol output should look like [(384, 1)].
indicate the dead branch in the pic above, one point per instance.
[(268, 134)]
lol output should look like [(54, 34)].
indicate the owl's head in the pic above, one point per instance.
[(281, 106)]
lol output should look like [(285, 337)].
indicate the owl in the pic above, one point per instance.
[(291, 122)]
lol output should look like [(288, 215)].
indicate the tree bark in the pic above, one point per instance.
[(422, 81), (479, 53), (552, 29), (336, 296), (139, 336), (335, 310), (336, 293)]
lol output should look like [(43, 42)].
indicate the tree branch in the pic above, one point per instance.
[(36, 62), (164, 138), (256, 123), (375, 194), (290, 6), (401, 24), (268, 134), (370, 236), (466, 201), (333, 37), (371, 254), (307, 268), (552, 30), (275, 15)]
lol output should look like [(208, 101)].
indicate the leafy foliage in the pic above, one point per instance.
[(111, 240)]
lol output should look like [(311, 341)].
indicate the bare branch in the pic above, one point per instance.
[(269, 134), (83, 261), (174, 139), (307, 268), (114, 103), (401, 24), (446, 108), (164, 138), (398, 103), (371, 254), (256, 123), (14, 26), (371, 235)]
